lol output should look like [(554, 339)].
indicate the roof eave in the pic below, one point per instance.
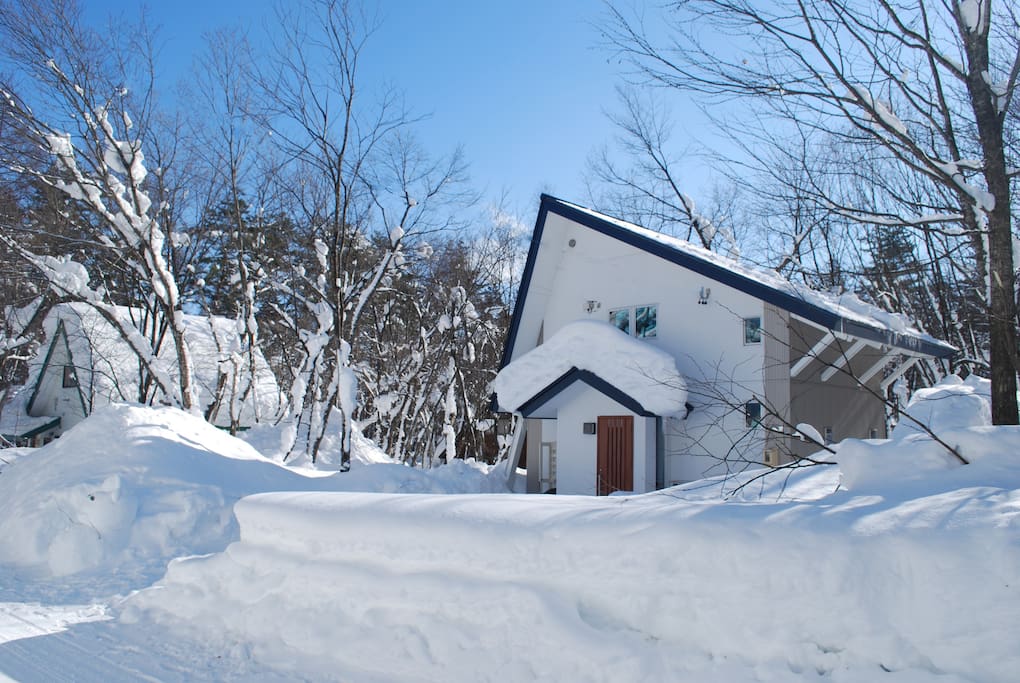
[(575, 374), (783, 300), (36, 431), (915, 344)]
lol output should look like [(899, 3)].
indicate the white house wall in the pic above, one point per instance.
[(540, 288), (707, 340), (577, 452)]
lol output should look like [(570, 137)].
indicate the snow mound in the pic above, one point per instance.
[(953, 403), (132, 487), (129, 486), (9, 455), (917, 586), (638, 369), (958, 412)]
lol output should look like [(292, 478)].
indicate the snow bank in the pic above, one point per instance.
[(131, 487), (9, 455), (953, 403), (855, 586), (957, 410), (638, 369)]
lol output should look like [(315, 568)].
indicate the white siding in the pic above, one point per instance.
[(707, 340)]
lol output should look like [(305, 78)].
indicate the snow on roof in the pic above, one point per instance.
[(846, 307), (108, 367), (644, 373), (14, 418)]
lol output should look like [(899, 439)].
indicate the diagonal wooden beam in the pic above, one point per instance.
[(899, 372), (516, 447), (878, 366), (843, 360), (811, 355)]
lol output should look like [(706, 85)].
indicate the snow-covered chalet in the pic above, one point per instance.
[(85, 363), (639, 361)]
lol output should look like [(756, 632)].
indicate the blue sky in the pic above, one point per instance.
[(521, 85)]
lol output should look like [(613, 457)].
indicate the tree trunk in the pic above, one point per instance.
[(1002, 298)]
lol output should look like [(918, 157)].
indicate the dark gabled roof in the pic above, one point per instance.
[(766, 286), (34, 431), (16, 423), (531, 406)]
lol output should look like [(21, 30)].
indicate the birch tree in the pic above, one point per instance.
[(70, 95), (355, 174), (430, 347)]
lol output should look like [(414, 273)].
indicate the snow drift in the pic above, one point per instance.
[(162, 485), (131, 487), (953, 403), (958, 410), (907, 580)]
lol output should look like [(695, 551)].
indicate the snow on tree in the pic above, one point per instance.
[(90, 148), (360, 187), (925, 94)]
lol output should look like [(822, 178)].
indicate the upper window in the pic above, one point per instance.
[(640, 321), (752, 414), (752, 330), (645, 320), (620, 319), (70, 377)]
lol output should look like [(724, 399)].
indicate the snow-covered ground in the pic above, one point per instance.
[(897, 564), (105, 507)]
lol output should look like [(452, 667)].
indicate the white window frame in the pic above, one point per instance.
[(744, 328), (632, 320)]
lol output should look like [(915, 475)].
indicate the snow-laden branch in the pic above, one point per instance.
[(113, 189)]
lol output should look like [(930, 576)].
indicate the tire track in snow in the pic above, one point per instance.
[(112, 652)]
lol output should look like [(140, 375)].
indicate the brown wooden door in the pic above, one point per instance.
[(615, 453)]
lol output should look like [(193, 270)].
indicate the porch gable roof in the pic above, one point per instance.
[(533, 405)]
